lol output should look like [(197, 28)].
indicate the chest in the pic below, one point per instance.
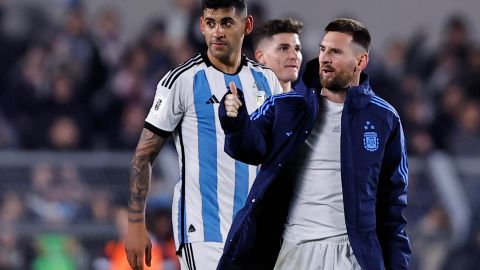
[(210, 85)]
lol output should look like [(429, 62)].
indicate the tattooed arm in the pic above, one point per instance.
[(137, 243)]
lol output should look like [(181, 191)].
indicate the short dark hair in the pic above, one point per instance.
[(239, 5), (356, 29), (273, 27)]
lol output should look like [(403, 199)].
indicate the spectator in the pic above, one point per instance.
[(465, 141)]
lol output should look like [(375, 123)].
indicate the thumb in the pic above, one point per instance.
[(233, 88)]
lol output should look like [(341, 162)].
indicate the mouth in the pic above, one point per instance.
[(291, 66), (327, 71), (218, 45)]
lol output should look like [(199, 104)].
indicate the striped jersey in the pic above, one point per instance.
[(213, 186)]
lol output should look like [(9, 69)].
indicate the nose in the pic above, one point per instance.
[(294, 54), (323, 58), (218, 31)]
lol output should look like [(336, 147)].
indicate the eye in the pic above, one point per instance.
[(283, 48), (210, 24), (227, 23)]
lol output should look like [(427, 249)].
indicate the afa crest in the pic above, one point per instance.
[(260, 97), (370, 138)]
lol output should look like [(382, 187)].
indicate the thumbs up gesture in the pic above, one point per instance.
[(232, 102)]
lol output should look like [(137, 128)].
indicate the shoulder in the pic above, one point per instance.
[(184, 71), (381, 105), (384, 110), (257, 66)]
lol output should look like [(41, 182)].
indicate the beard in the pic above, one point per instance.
[(337, 83)]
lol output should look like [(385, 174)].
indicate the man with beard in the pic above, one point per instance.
[(333, 183), (213, 186)]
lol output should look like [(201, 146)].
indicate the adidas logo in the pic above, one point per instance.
[(212, 100)]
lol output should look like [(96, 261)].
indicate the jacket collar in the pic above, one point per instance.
[(357, 96)]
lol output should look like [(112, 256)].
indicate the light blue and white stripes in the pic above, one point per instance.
[(241, 169), (207, 157)]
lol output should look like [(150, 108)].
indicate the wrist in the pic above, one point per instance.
[(136, 218)]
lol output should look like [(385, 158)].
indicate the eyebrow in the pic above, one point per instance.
[(331, 48), (221, 19)]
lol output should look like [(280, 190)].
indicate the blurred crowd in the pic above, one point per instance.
[(76, 84)]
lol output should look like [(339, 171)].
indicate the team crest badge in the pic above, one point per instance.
[(260, 97), (370, 138)]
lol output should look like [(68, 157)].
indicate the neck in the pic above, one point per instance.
[(228, 65), (341, 95), (334, 96), (286, 86)]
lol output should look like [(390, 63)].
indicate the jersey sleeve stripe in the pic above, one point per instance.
[(156, 131), (168, 82), (403, 167), (256, 64), (382, 103)]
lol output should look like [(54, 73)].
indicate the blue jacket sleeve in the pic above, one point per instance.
[(392, 200), (245, 139)]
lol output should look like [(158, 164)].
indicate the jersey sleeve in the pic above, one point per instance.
[(168, 105)]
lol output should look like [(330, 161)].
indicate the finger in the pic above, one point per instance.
[(236, 103), (232, 114), (139, 262), (233, 88), (148, 254), (232, 100), (131, 260)]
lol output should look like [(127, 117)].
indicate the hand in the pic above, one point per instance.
[(138, 245), (232, 102)]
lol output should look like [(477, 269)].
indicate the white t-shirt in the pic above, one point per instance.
[(216, 186), (316, 210)]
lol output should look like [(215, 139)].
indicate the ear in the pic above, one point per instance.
[(248, 24), (362, 61), (259, 56), (202, 28)]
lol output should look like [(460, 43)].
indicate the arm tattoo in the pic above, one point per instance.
[(140, 172)]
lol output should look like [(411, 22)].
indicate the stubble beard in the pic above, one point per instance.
[(337, 83)]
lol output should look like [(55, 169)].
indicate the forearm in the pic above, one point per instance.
[(139, 184), (244, 140), (140, 174), (246, 145)]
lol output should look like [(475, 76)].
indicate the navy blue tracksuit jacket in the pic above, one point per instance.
[(374, 174)]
